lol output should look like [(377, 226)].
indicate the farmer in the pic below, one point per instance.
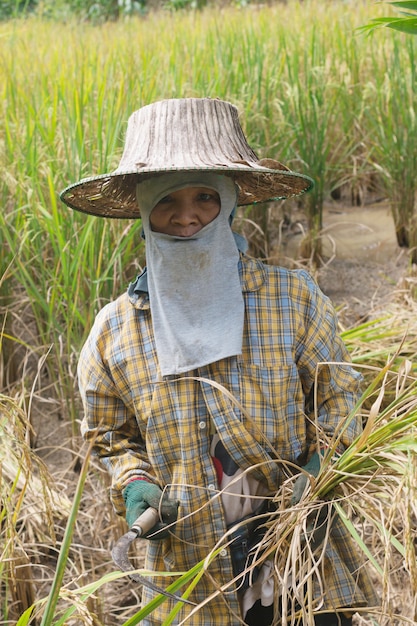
[(205, 372)]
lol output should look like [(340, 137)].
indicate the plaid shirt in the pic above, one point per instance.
[(160, 428)]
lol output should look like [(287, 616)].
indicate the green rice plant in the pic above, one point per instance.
[(67, 297), (350, 167), (391, 116), (310, 104), (63, 265), (321, 109)]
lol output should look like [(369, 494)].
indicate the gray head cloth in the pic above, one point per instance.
[(194, 288)]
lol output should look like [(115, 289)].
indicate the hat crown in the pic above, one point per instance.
[(187, 133)]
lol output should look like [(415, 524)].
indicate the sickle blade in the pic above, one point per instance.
[(121, 550), (120, 557)]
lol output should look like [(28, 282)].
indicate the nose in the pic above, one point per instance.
[(185, 214)]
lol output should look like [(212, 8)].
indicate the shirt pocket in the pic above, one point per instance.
[(273, 398)]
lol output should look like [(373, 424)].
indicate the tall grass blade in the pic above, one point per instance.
[(49, 612)]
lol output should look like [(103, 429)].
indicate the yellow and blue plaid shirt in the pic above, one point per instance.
[(160, 428)]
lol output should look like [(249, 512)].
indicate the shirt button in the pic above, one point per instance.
[(211, 486), (223, 553), (202, 425)]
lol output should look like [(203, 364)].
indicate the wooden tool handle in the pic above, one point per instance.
[(145, 521)]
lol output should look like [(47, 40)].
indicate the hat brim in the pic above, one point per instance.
[(114, 195)]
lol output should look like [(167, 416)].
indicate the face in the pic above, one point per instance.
[(186, 211)]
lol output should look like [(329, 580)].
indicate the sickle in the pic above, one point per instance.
[(120, 552)]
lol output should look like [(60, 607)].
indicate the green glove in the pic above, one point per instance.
[(313, 468), (317, 521), (140, 495)]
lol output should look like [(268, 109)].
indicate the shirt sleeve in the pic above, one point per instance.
[(331, 385), (108, 422)]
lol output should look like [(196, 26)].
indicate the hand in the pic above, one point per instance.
[(317, 522), (140, 495), (313, 468)]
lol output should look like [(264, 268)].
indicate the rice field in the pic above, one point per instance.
[(315, 93)]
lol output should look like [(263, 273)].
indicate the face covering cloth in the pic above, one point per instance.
[(194, 288)]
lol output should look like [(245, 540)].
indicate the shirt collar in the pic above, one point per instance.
[(252, 273)]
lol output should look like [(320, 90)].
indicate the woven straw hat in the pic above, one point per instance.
[(189, 134)]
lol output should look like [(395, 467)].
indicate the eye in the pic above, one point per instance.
[(205, 196), (164, 200)]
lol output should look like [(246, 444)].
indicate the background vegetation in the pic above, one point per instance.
[(313, 92)]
